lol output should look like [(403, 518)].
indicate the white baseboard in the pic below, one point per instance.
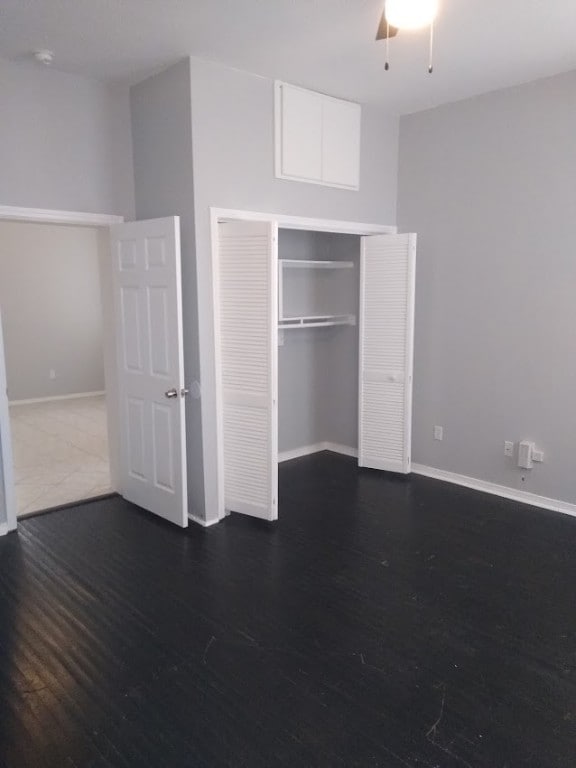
[(308, 450), (525, 497), (296, 453), (345, 450), (201, 521), (514, 494), (4, 529), (76, 396)]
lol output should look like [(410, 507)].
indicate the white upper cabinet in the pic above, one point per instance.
[(317, 138)]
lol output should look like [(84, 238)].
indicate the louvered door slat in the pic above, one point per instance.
[(247, 282), (386, 350)]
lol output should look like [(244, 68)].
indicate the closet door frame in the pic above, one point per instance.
[(210, 343)]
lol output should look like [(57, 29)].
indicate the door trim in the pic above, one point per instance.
[(210, 354), (47, 216), (219, 215), (7, 484)]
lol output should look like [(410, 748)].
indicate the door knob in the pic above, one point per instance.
[(171, 393)]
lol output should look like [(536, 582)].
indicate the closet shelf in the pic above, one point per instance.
[(309, 264), (315, 321)]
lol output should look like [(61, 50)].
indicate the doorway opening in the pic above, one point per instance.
[(53, 287), (142, 345)]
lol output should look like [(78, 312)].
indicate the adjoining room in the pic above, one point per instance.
[(52, 316)]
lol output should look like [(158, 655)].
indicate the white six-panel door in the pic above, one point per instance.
[(387, 282), (247, 278), (148, 309)]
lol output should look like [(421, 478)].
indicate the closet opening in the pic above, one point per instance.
[(318, 297), (314, 325)]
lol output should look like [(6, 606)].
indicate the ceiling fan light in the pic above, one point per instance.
[(411, 14)]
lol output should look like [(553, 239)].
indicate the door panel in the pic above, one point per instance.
[(147, 291), (159, 340), (387, 273), (135, 435), (248, 320), (130, 328)]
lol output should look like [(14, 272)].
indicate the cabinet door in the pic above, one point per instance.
[(341, 143), (299, 133), (387, 272)]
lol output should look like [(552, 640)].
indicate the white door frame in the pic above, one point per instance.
[(212, 411), (8, 504), (47, 216)]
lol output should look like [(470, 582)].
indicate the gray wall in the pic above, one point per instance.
[(64, 142), (51, 309), (340, 402), (318, 367), (163, 174), (302, 362), (488, 184), (233, 136)]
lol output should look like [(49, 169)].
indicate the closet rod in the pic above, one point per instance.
[(316, 321), (315, 264)]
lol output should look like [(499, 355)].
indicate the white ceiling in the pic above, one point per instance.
[(327, 45)]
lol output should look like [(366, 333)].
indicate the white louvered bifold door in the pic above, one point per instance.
[(248, 319), (387, 272)]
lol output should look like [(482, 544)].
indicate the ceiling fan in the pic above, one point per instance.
[(407, 15), (385, 31)]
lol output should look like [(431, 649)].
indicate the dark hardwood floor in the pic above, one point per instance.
[(380, 622)]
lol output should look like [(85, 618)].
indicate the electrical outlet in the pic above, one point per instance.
[(52, 374), (438, 433), (525, 457), (508, 448)]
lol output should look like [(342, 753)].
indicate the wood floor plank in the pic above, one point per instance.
[(381, 621)]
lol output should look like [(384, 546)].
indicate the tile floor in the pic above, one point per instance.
[(60, 452)]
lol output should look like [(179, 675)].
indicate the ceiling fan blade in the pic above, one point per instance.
[(384, 30)]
